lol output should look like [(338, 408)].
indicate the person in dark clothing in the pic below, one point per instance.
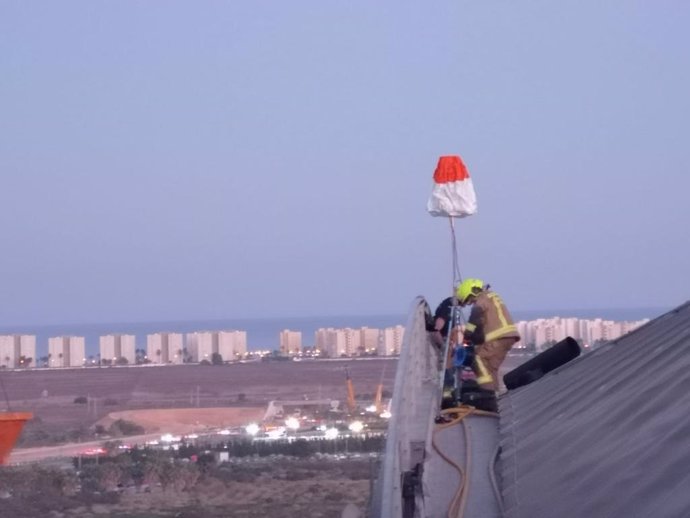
[(443, 317), (442, 325)]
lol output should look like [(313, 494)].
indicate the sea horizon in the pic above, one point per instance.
[(263, 333)]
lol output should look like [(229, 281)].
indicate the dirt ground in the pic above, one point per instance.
[(186, 420), (50, 393)]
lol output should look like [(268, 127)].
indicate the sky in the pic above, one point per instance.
[(169, 160)]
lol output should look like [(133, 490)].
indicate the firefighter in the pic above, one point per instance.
[(490, 329)]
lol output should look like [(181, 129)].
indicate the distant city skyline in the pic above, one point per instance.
[(541, 333), (177, 347)]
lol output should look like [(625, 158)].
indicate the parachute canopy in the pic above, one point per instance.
[(453, 193)]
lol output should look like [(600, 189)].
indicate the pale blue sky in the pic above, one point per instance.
[(179, 160)]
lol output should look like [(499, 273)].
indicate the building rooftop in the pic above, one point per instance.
[(607, 434)]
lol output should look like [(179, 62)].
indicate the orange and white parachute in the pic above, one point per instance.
[(453, 193)]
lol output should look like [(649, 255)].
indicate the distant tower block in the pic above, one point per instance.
[(165, 348), (290, 342), (17, 349), (390, 341), (118, 348), (66, 351), (231, 345)]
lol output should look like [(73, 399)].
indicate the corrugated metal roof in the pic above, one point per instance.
[(606, 435)]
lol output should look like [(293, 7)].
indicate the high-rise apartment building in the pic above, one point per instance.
[(165, 348), (66, 351), (18, 351), (335, 343), (542, 332), (200, 345), (231, 345), (290, 342), (321, 339), (118, 349), (353, 341), (8, 353), (526, 334), (571, 327), (369, 339), (390, 341)]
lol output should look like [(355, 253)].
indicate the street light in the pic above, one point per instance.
[(356, 426)]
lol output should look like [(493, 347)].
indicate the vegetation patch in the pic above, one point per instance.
[(152, 483), (121, 427)]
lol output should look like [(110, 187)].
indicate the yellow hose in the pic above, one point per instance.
[(456, 509)]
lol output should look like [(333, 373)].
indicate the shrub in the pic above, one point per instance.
[(123, 427), (80, 400)]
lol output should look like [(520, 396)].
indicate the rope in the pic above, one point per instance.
[(468, 463), (457, 276), (457, 316), (462, 472)]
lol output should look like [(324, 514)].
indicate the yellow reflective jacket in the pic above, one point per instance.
[(489, 320)]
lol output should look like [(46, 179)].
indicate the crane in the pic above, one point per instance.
[(351, 404), (378, 398)]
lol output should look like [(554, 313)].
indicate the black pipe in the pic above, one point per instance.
[(533, 369)]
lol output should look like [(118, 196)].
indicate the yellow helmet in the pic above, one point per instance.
[(467, 288)]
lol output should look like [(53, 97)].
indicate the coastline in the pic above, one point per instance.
[(263, 333)]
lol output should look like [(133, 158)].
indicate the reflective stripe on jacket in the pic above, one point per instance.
[(489, 320)]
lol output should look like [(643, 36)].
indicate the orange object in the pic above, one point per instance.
[(450, 169), (378, 399), (11, 425), (351, 403), (452, 192)]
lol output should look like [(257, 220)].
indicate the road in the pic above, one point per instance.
[(27, 455)]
